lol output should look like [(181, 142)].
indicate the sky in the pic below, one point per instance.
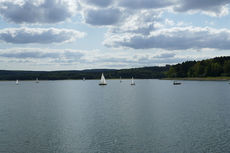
[(114, 34)]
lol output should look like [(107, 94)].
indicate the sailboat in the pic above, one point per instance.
[(132, 81), (37, 81), (17, 82), (102, 82), (120, 80), (176, 83), (83, 79)]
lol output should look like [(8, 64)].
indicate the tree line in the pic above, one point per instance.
[(219, 66), (141, 73)]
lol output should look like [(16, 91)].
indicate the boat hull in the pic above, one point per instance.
[(102, 84)]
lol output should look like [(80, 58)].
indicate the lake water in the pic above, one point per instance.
[(82, 117)]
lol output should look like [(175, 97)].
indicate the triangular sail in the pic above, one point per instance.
[(103, 81)]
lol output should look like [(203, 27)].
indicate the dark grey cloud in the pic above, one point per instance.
[(30, 54), (100, 3), (214, 6), (38, 35), (54, 11), (141, 29), (112, 15), (165, 55), (101, 17), (206, 5), (144, 4), (175, 39), (49, 11), (41, 54)]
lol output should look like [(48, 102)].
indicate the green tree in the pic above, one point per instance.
[(227, 67), (172, 72), (216, 69)]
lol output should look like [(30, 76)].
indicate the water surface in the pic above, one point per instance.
[(80, 116)]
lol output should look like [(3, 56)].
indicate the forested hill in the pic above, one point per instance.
[(141, 73), (216, 67)]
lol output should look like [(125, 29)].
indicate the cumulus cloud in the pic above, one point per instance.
[(115, 13), (40, 59), (145, 4), (54, 59), (180, 38), (165, 55), (38, 35), (29, 54), (99, 17), (37, 11), (100, 3), (37, 53), (141, 22), (99, 12), (213, 7)]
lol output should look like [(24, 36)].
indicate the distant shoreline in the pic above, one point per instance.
[(125, 79), (201, 79)]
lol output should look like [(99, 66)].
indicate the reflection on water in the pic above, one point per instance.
[(80, 116)]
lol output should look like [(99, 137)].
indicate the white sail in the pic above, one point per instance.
[(120, 79), (103, 81), (37, 81), (17, 82), (132, 81)]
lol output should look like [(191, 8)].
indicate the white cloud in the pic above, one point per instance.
[(177, 38), (58, 59), (141, 25), (169, 22), (140, 22), (80, 59), (38, 35)]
